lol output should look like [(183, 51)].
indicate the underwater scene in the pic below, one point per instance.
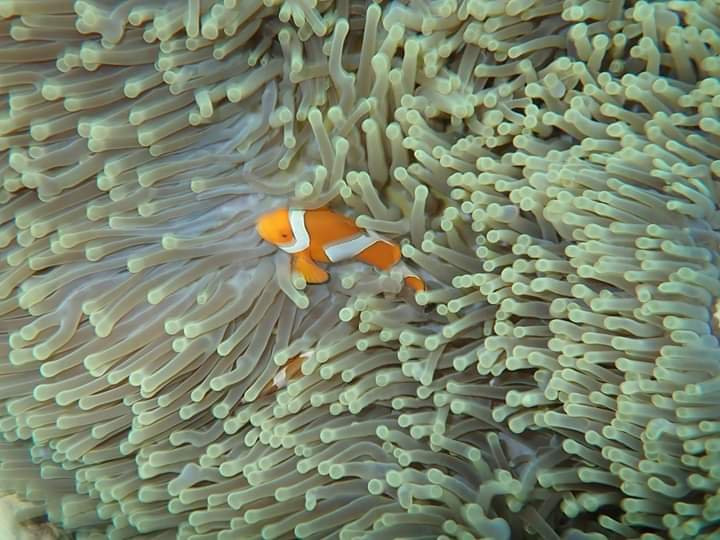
[(359, 270)]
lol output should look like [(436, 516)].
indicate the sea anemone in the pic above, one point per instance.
[(550, 167)]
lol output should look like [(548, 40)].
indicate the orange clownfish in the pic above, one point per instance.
[(321, 235), (290, 371)]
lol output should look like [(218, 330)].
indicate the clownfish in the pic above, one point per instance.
[(324, 236), (290, 371)]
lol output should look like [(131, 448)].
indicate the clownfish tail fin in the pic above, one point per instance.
[(411, 278), (415, 282)]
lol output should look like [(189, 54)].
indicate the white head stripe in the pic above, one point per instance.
[(297, 226), (347, 249)]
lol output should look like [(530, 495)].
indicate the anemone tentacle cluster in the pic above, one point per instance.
[(550, 167)]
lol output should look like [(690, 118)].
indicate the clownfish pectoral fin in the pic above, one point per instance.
[(312, 273)]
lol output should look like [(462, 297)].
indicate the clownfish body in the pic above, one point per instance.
[(290, 371), (324, 236)]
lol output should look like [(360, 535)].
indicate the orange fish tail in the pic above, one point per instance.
[(383, 255), (415, 283)]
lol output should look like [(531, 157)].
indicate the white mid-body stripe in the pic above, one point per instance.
[(347, 249), (299, 231)]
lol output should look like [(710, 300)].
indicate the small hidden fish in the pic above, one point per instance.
[(324, 236), (290, 371)]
